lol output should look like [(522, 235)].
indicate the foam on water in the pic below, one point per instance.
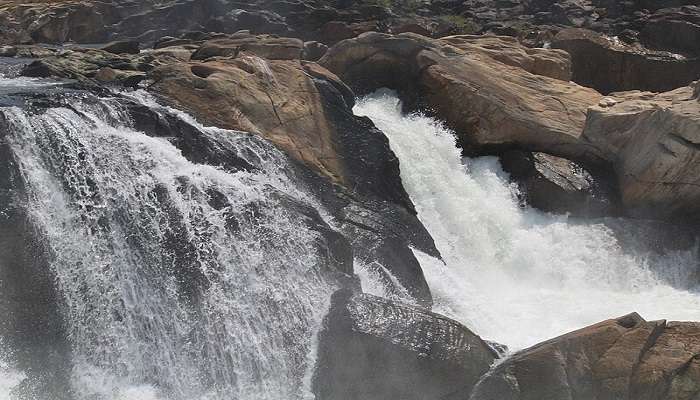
[(513, 274), (178, 280)]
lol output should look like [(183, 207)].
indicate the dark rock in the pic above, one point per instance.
[(609, 65), (29, 301), (676, 29), (371, 348), (313, 51), (122, 47), (558, 185)]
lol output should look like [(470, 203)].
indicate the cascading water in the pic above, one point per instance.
[(513, 274), (177, 280)]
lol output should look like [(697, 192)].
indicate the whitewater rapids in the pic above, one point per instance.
[(511, 273)]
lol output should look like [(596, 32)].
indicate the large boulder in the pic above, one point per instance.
[(653, 141), (489, 103), (374, 349), (623, 358), (557, 185), (609, 65)]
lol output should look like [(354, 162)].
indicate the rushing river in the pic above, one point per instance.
[(516, 275)]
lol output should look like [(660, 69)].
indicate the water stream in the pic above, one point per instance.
[(511, 273)]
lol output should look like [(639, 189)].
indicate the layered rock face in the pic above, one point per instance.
[(393, 350), (626, 357), (609, 65)]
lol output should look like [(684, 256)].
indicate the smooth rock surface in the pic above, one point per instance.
[(653, 141), (508, 108), (623, 358)]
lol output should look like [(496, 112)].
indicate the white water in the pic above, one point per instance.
[(168, 295), (515, 275)]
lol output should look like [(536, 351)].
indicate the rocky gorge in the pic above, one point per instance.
[(193, 207)]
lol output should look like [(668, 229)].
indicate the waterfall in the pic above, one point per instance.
[(515, 275), (177, 280)]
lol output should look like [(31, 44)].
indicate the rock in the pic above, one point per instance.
[(29, 300), (609, 65), (653, 142), (313, 51), (122, 47), (8, 51), (624, 358), (123, 78), (487, 110), (675, 29), (558, 185), (301, 108), (552, 63), (371, 348), (266, 46)]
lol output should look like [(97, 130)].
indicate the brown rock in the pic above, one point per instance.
[(124, 78), (272, 98), (624, 358), (609, 65), (653, 142), (488, 103), (266, 46), (506, 49)]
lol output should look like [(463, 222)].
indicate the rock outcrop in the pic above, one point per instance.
[(394, 351), (624, 358), (653, 142), (674, 28), (609, 65), (560, 186), (513, 107)]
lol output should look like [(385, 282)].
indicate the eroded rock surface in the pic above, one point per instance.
[(653, 141), (626, 358), (489, 103), (558, 185), (609, 65)]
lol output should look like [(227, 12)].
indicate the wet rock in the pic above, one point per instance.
[(557, 185), (653, 141), (122, 47), (371, 348), (626, 357), (29, 301), (609, 65)]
